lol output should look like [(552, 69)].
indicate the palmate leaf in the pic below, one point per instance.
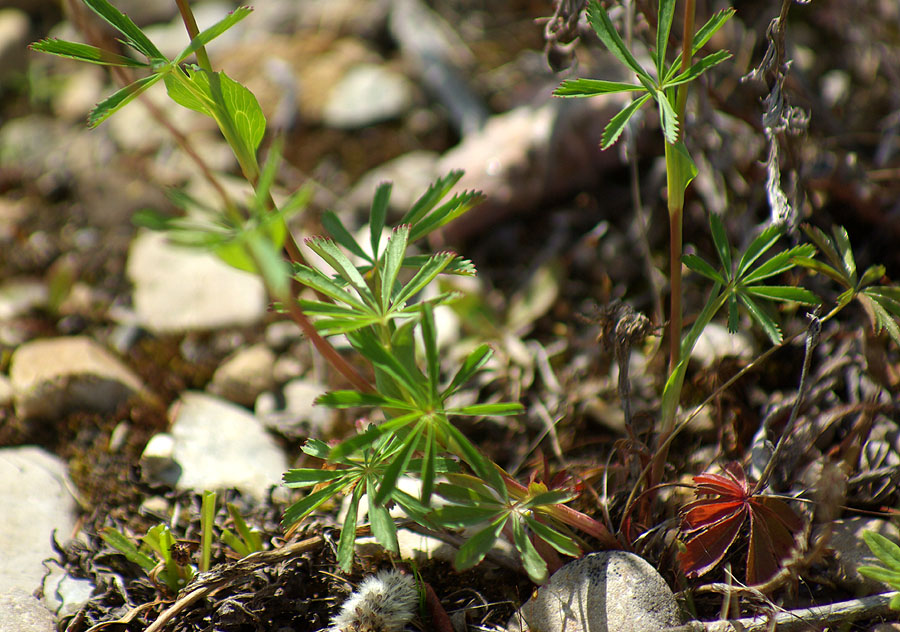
[(605, 30), (533, 563), (699, 67), (711, 524), (335, 227), (664, 18), (435, 193), (478, 545), (885, 550), (393, 259), (702, 36), (473, 363), (446, 213)]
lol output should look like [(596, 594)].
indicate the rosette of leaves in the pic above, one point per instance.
[(522, 513), (889, 553), (374, 304)]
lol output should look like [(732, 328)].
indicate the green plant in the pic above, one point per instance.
[(889, 553), (172, 566), (374, 303)]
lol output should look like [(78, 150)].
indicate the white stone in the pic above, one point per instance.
[(244, 375), (178, 289), (850, 551), (614, 591), (21, 612), (14, 31), (54, 375), (300, 415), (158, 459), (36, 502), (367, 94), (219, 445), (716, 342)]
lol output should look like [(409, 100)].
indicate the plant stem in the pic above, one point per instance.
[(187, 16)]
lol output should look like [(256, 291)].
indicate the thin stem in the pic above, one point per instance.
[(187, 16), (675, 251)]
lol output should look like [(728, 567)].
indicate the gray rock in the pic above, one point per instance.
[(851, 552), (19, 296), (296, 414), (367, 94), (158, 460), (716, 342), (279, 335), (177, 289), (55, 375), (65, 595), (244, 375), (14, 31), (36, 502), (613, 591), (220, 445), (21, 612)]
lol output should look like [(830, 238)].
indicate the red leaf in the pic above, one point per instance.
[(710, 525), (706, 548)]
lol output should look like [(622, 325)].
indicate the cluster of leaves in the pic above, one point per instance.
[(167, 561), (711, 524), (372, 304), (889, 553), (880, 302), (656, 83)]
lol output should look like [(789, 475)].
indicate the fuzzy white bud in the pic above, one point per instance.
[(385, 602)]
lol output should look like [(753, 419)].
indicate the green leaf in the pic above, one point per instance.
[(387, 361), (230, 540), (446, 213), (477, 546), (553, 537), (683, 168), (353, 399), (482, 466), (432, 361), (552, 497), (207, 518), (663, 26), (881, 574), (85, 53), (616, 124), (463, 516), (702, 36), (311, 277), (605, 30), (842, 241), (134, 36), (329, 251), (757, 247), (872, 274), (307, 477), (308, 504), (427, 467), (180, 85), (250, 537), (732, 308), (347, 541), (119, 99), (426, 274), (593, 87), (470, 366), (826, 246), (762, 319), (244, 111), (316, 448), (270, 265), (883, 319), (431, 197), (668, 119), (783, 293), (720, 239), (383, 527), (700, 266), (501, 409), (822, 268), (781, 262), (698, 68), (399, 464), (335, 227), (393, 259), (127, 548), (532, 561), (458, 265), (207, 35)]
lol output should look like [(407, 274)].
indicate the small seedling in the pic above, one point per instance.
[(889, 553)]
